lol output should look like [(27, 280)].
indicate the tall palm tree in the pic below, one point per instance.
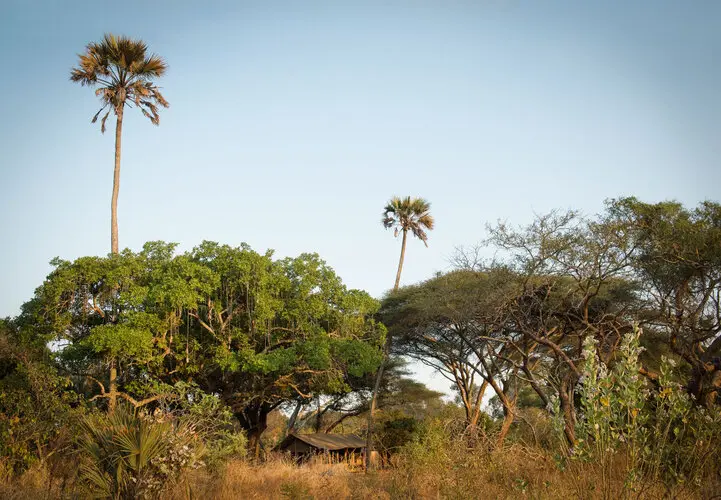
[(407, 214), (123, 73), (403, 215)]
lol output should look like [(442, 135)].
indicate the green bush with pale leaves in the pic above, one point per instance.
[(660, 431)]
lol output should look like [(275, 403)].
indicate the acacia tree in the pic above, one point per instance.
[(677, 262), (575, 284), (123, 73), (402, 215), (429, 322)]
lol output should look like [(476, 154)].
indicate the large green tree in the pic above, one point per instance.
[(123, 72), (255, 331)]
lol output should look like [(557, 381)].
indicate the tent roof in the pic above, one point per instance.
[(323, 441)]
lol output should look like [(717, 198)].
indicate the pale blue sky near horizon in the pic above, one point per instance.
[(292, 123)]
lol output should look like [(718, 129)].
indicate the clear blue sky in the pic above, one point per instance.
[(292, 123)]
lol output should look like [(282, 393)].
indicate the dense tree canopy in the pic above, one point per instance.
[(254, 330)]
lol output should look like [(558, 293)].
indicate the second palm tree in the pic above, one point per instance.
[(402, 215)]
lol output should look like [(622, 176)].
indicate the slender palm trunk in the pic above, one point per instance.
[(116, 185), (113, 385), (400, 262), (374, 402), (381, 368)]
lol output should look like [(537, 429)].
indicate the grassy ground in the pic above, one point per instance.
[(515, 472)]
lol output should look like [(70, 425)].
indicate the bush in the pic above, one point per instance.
[(214, 423), (130, 455), (37, 409), (659, 433)]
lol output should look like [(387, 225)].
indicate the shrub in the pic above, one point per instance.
[(214, 423), (661, 433), (129, 455), (37, 409)]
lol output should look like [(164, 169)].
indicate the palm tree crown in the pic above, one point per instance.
[(123, 72), (409, 214)]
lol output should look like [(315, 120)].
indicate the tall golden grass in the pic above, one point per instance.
[(516, 471)]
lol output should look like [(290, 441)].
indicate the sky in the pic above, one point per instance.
[(291, 124)]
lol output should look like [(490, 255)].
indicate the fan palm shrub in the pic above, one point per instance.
[(127, 455)]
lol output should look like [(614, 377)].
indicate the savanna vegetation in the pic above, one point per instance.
[(584, 358)]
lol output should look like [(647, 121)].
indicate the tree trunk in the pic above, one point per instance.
[(254, 434), (568, 411), (318, 416), (508, 416), (705, 383), (374, 402), (474, 411), (254, 421), (291, 422), (116, 185), (113, 386), (400, 262)]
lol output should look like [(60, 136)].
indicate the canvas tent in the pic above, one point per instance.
[(337, 447)]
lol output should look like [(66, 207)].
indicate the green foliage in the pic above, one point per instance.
[(121, 340), (683, 437), (660, 430), (394, 430), (37, 411), (430, 445), (256, 330), (213, 422), (612, 403)]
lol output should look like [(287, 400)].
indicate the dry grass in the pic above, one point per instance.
[(37, 483), (275, 479), (514, 472)]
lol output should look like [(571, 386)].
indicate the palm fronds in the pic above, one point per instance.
[(123, 72), (125, 455), (408, 214)]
